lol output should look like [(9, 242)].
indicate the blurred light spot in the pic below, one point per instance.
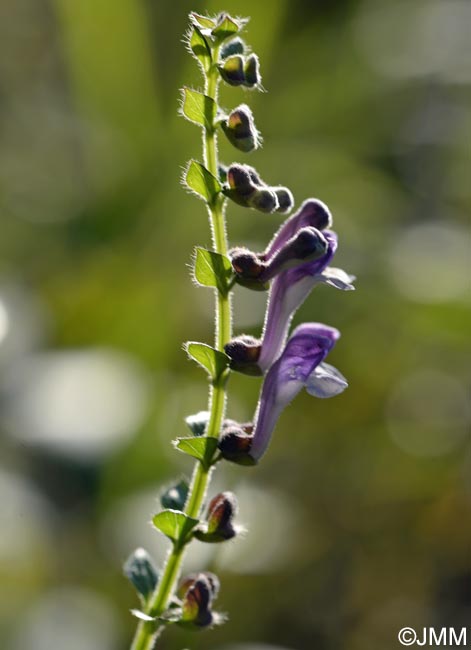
[(72, 618), (265, 547), (77, 403), (405, 39), (428, 413), (430, 262), (4, 322), (25, 518), (23, 321), (127, 525)]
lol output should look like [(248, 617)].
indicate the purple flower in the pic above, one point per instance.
[(291, 286), (300, 365)]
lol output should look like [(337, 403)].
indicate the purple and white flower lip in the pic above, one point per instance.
[(300, 365)]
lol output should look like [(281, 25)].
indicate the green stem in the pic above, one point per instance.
[(146, 634)]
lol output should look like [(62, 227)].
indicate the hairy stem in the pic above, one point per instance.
[(146, 634)]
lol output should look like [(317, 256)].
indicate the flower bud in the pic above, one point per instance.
[(189, 580), (319, 213), (247, 188), (232, 70), (241, 186), (219, 526), (264, 200), (252, 71), (240, 129), (239, 178), (235, 445), (285, 199), (306, 245), (198, 422), (235, 46), (196, 603), (139, 568), (246, 263), (244, 352), (254, 176)]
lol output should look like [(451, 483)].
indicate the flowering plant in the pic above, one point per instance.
[(297, 258)]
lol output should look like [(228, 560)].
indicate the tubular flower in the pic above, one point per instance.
[(300, 365), (291, 286)]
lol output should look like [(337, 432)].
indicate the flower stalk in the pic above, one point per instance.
[(294, 262)]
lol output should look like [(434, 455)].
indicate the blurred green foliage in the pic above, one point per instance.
[(367, 109)]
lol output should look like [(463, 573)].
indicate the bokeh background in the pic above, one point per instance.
[(359, 517)]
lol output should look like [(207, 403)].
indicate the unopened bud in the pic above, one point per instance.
[(239, 178), (285, 199), (252, 71), (246, 263), (189, 580), (175, 496), (139, 568), (241, 186), (247, 188), (198, 422), (244, 352), (264, 200), (236, 46), (254, 176), (318, 214), (306, 245), (235, 445), (221, 512), (196, 603), (240, 129), (219, 526), (323, 217), (232, 70)]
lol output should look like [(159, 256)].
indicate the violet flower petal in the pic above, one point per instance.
[(306, 349), (337, 278), (325, 381), (288, 291)]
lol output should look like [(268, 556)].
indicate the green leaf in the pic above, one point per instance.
[(140, 570), (201, 448), (214, 361), (200, 48), (175, 496), (198, 108), (174, 524), (226, 28), (201, 181), (213, 270), (202, 21)]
